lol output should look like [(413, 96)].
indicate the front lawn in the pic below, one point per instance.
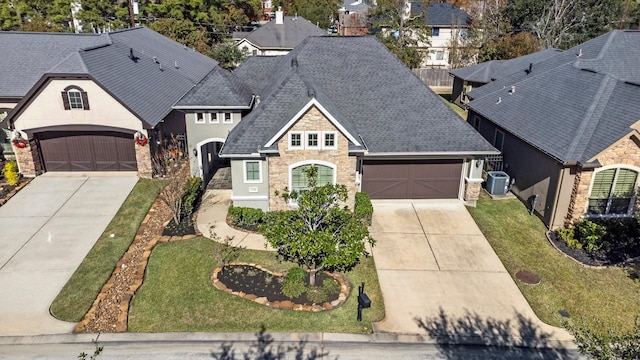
[(177, 295), (76, 297), (604, 298)]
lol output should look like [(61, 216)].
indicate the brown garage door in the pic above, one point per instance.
[(411, 179), (87, 151)]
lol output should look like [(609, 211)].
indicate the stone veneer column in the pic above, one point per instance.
[(472, 189), (143, 159), (24, 157)]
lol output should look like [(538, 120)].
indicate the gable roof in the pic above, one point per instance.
[(384, 104), (283, 36), (571, 107), (147, 84), (219, 89), (495, 69), (441, 14)]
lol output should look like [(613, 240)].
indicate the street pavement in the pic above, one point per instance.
[(47, 230)]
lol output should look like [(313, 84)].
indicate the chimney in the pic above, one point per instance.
[(279, 16)]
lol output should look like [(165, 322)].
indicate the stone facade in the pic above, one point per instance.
[(312, 120), (25, 159), (472, 190), (625, 152), (143, 159)]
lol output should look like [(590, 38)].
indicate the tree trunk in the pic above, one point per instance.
[(312, 277)]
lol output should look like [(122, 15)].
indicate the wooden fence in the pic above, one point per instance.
[(435, 77)]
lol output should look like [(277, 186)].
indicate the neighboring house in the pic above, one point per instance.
[(470, 77), (353, 18), (448, 23), (374, 128), (568, 128), (279, 36), (79, 101)]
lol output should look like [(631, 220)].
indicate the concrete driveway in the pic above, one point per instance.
[(46, 231), (435, 266)]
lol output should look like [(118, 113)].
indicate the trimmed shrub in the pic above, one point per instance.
[(589, 234), (10, 172), (363, 208), (294, 283), (317, 294), (191, 195), (331, 286), (246, 218)]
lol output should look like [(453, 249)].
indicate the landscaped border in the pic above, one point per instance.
[(24, 182), (345, 290), (549, 234)]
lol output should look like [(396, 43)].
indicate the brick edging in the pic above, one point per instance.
[(345, 290), (24, 182)]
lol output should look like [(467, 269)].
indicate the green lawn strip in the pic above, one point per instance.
[(446, 96), (177, 295), (76, 297), (604, 298)]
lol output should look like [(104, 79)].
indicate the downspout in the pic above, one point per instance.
[(554, 210)]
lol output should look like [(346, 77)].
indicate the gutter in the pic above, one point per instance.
[(434, 153)]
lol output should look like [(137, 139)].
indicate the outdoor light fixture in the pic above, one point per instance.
[(195, 152)]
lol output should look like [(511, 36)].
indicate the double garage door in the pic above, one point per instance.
[(87, 151), (412, 179)]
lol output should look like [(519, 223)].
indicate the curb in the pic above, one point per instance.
[(246, 337)]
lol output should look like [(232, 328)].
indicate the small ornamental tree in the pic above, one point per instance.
[(322, 233), (170, 162)]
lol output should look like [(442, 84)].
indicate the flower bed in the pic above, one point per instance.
[(252, 282)]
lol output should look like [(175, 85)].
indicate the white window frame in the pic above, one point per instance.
[(244, 172), (633, 199), (71, 103), (214, 118), (334, 167), (204, 118), (307, 135), (335, 140), (302, 140), (224, 118), (495, 137)]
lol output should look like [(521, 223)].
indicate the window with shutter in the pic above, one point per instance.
[(613, 192)]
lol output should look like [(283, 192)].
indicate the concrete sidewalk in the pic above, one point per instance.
[(439, 274), (213, 212), (47, 230)]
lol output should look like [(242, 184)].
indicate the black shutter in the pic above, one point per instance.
[(65, 101), (85, 100)]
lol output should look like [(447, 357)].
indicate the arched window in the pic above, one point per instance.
[(74, 97), (613, 192), (299, 180)]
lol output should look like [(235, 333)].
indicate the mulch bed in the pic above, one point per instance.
[(597, 259), (252, 280), (185, 227)]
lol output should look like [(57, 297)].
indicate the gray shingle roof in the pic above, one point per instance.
[(26, 56), (441, 14), (256, 71), (219, 88), (284, 36), (147, 88), (495, 69), (382, 102), (567, 109)]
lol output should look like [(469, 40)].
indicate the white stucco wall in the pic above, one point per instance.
[(47, 109)]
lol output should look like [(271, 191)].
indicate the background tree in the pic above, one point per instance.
[(227, 54), (513, 46), (184, 32), (319, 12), (321, 234), (402, 32)]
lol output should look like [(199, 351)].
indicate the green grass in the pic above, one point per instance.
[(76, 297), (603, 298), (177, 295), (446, 97)]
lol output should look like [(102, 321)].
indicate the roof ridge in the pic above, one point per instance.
[(592, 117), (73, 54)]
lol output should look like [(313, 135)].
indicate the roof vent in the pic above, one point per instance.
[(132, 56), (175, 64), (513, 89), (160, 66), (155, 60), (184, 46), (579, 53), (499, 100), (530, 67), (294, 62), (311, 92)]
